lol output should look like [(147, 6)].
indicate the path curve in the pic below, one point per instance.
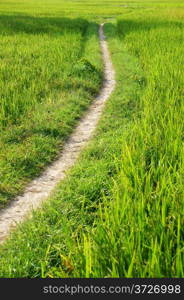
[(40, 188)]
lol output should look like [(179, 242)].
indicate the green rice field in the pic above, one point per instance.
[(120, 210)]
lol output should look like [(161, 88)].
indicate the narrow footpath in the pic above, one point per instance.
[(40, 188)]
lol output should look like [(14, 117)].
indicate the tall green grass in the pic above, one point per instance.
[(140, 232), (48, 76), (47, 245), (37, 57), (120, 211)]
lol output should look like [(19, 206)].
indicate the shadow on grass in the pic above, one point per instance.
[(126, 26), (18, 24)]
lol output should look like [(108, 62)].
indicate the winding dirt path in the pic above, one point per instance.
[(40, 188)]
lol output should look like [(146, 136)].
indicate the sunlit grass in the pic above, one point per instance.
[(139, 233), (119, 213), (48, 76)]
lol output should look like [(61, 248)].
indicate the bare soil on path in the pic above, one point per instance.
[(40, 188)]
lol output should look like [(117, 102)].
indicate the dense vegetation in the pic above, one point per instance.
[(48, 76), (120, 211)]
